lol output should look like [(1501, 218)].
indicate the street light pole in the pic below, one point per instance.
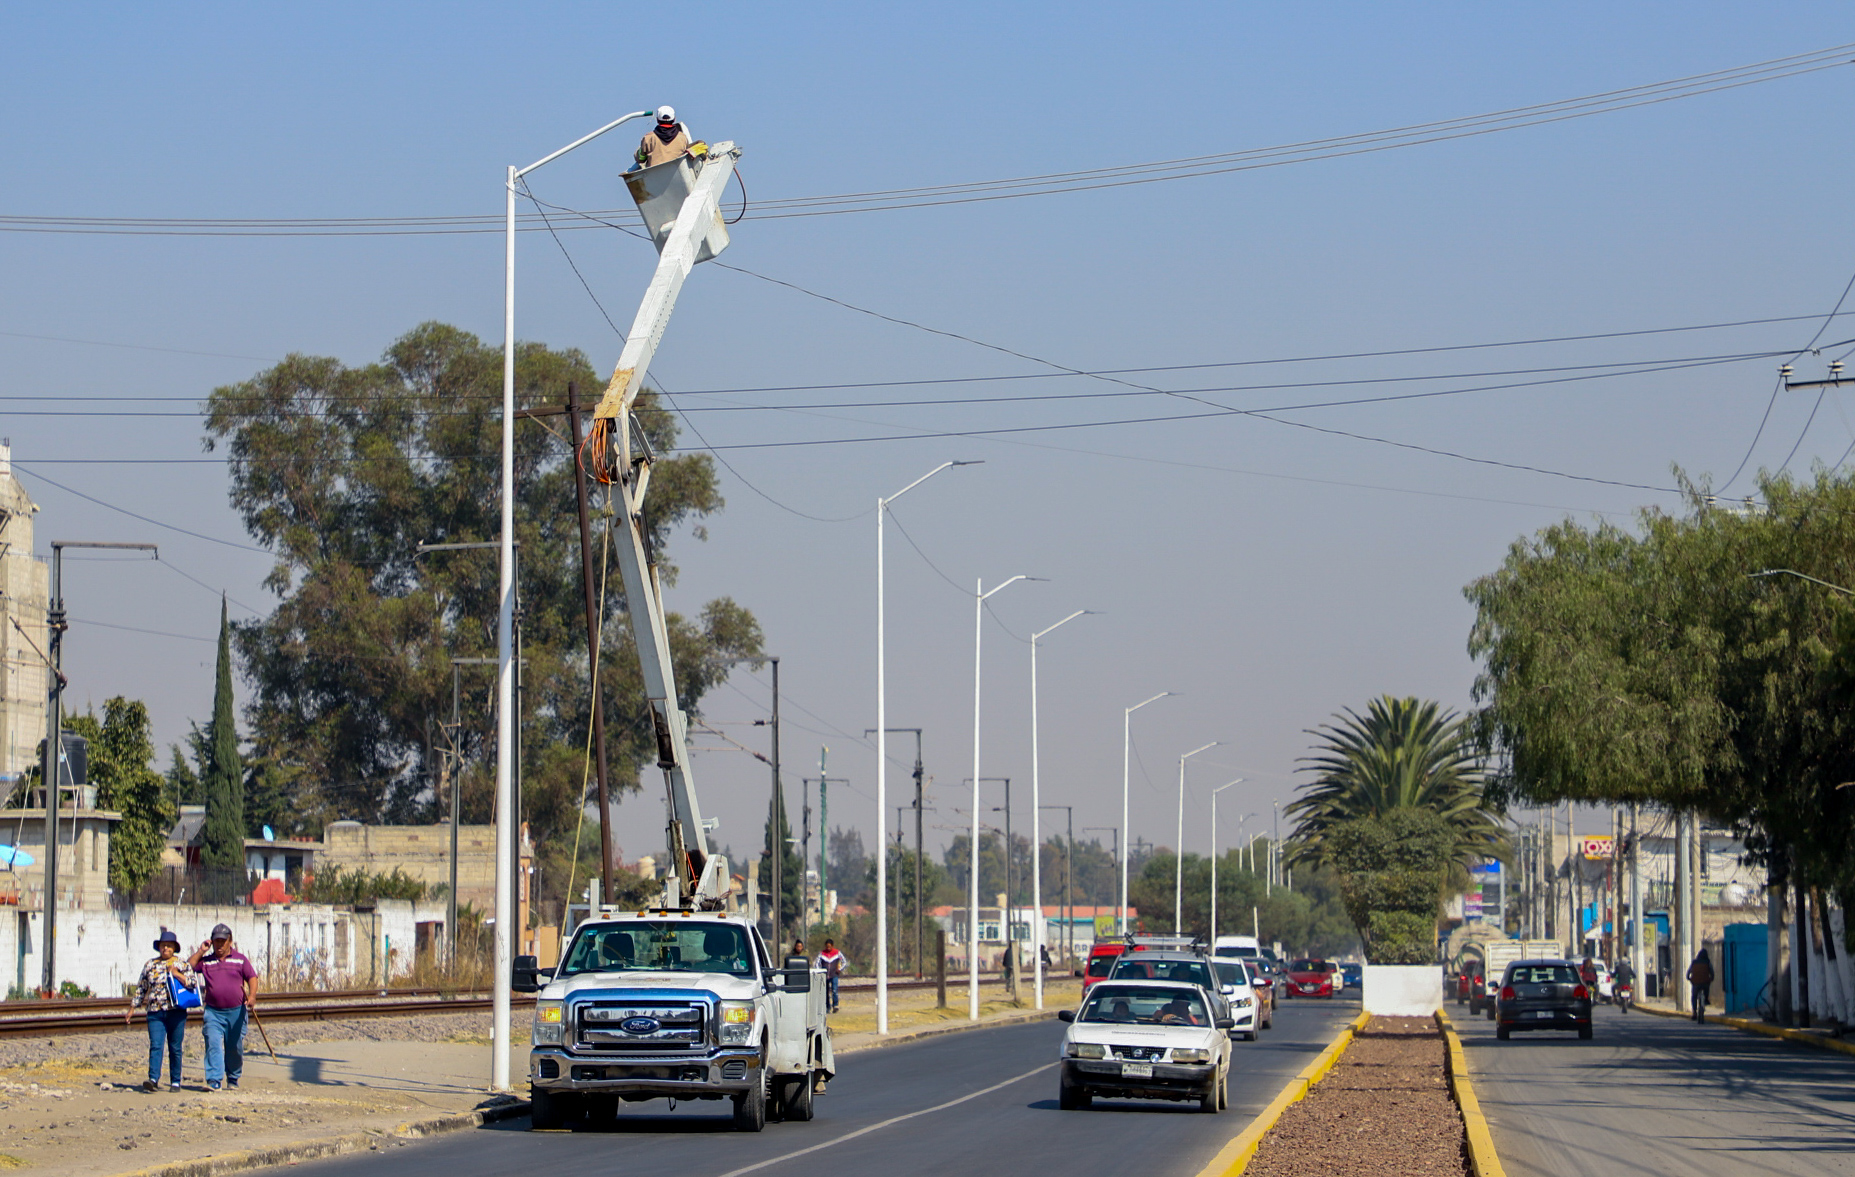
[(1036, 828), (980, 593), (882, 761), (920, 780), (1126, 841), (52, 762), (505, 640), (1178, 855), (1214, 793)]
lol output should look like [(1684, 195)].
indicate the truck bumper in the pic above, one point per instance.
[(1168, 1080), (719, 1073)]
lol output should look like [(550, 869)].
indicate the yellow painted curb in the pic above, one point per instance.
[(1483, 1161), (1234, 1157), (1752, 1027)]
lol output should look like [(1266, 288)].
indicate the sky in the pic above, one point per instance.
[(1268, 573)]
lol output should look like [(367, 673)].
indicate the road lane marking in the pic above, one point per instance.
[(881, 1124)]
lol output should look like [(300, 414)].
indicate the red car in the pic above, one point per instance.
[(1101, 963), (1313, 978)]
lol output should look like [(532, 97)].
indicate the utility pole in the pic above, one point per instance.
[(1069, 865), (52, 762), (1011, 945), (594, 630), (920, 781)]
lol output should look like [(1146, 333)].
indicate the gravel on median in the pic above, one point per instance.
[(1383, 1109)]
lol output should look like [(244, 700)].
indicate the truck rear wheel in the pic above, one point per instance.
[(750, 1106), (795, 1101)]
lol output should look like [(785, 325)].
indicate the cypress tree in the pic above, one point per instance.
[(222, 849)]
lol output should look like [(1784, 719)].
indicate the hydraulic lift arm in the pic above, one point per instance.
[(681, 204)]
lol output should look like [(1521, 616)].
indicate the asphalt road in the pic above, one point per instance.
[(973, 1102), (1661, 1095)]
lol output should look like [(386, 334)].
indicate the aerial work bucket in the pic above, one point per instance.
[(661, 191)]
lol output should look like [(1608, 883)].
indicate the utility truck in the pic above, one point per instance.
[(676, 1003), (682, 999)]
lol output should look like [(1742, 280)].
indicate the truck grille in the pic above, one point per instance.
[(652, 1026)]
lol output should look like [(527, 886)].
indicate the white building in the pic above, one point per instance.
[(23, 591)]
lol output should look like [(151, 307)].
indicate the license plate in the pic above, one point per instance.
[(1544, 1013), (1136, 1070)]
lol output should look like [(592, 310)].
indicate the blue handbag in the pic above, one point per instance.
[(184, 996)]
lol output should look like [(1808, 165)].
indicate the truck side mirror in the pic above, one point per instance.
[(796, 977), (525, 975)]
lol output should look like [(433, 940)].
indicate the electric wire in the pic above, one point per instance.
[(131, 514), (1147, 172), (1779, 387)]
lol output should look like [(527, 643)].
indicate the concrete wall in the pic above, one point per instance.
[(83, 857), (424, 852), (1403, 990), (23, 581), (301, 946)]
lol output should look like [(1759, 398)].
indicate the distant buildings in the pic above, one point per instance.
[(23, 592)]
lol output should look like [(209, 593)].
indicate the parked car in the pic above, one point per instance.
[(1352, 975), (1542, 995), (1251, 1004), (1310, 977), (1145, 1040), (1100, 963)]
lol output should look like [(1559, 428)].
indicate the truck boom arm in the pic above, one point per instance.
[(681, 203)]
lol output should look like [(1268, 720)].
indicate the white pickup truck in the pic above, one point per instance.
[(677, 1004)]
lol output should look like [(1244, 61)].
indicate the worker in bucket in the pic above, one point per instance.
[(666, 141)]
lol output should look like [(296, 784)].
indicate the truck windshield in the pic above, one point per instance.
[(659, 946)]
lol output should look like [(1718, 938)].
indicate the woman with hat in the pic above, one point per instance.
[(167, 1022)]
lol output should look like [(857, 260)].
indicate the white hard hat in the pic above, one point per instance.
[(666, 114)]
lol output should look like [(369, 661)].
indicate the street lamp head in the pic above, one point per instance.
[(968, 462)]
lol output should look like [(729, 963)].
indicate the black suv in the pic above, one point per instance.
[(1542, 995)]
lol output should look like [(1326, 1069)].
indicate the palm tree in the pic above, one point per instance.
[(1402, 754)]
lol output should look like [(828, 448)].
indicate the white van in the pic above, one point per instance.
[(1244, 946)]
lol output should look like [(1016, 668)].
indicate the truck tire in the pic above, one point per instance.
[(795, 1101), (546, 1110), (750, 1106)]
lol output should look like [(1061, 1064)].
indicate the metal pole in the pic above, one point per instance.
[(593, 635), (1125, 839), (454, 763), (53, 763), (920, 903), (504, 958), (1178, 854), (882, 795), (1214, 793), (779, 806), (972, 881), (1037, 924), (50, 771), (1011, 895)]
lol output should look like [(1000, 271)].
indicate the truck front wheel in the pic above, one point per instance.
[(548, 1110), (750, 1106)]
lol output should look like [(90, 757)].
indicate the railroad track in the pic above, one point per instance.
[(102, 1014)]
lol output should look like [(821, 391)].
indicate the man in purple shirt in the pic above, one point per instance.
[(228, 990)]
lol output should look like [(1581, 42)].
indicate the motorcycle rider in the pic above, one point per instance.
[(1624, 984)]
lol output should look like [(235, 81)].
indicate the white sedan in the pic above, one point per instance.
[(1251, 1007), (1145, 1040)]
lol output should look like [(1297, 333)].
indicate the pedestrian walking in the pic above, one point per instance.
[(166, 981), (832, 962), (1700, 975), (230, 992)]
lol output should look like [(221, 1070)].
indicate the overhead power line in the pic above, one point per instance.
[(1050, 183)]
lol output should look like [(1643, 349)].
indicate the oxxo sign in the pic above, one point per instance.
[(1599, 847)]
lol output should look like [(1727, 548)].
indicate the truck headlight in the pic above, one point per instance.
[(548, 1016), (737, 1022), (1087, 1050), (1190, 1056)]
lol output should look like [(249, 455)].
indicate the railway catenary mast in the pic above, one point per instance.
[(681, 204)]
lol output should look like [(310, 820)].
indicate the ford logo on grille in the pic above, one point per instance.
[(640, 1025)]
